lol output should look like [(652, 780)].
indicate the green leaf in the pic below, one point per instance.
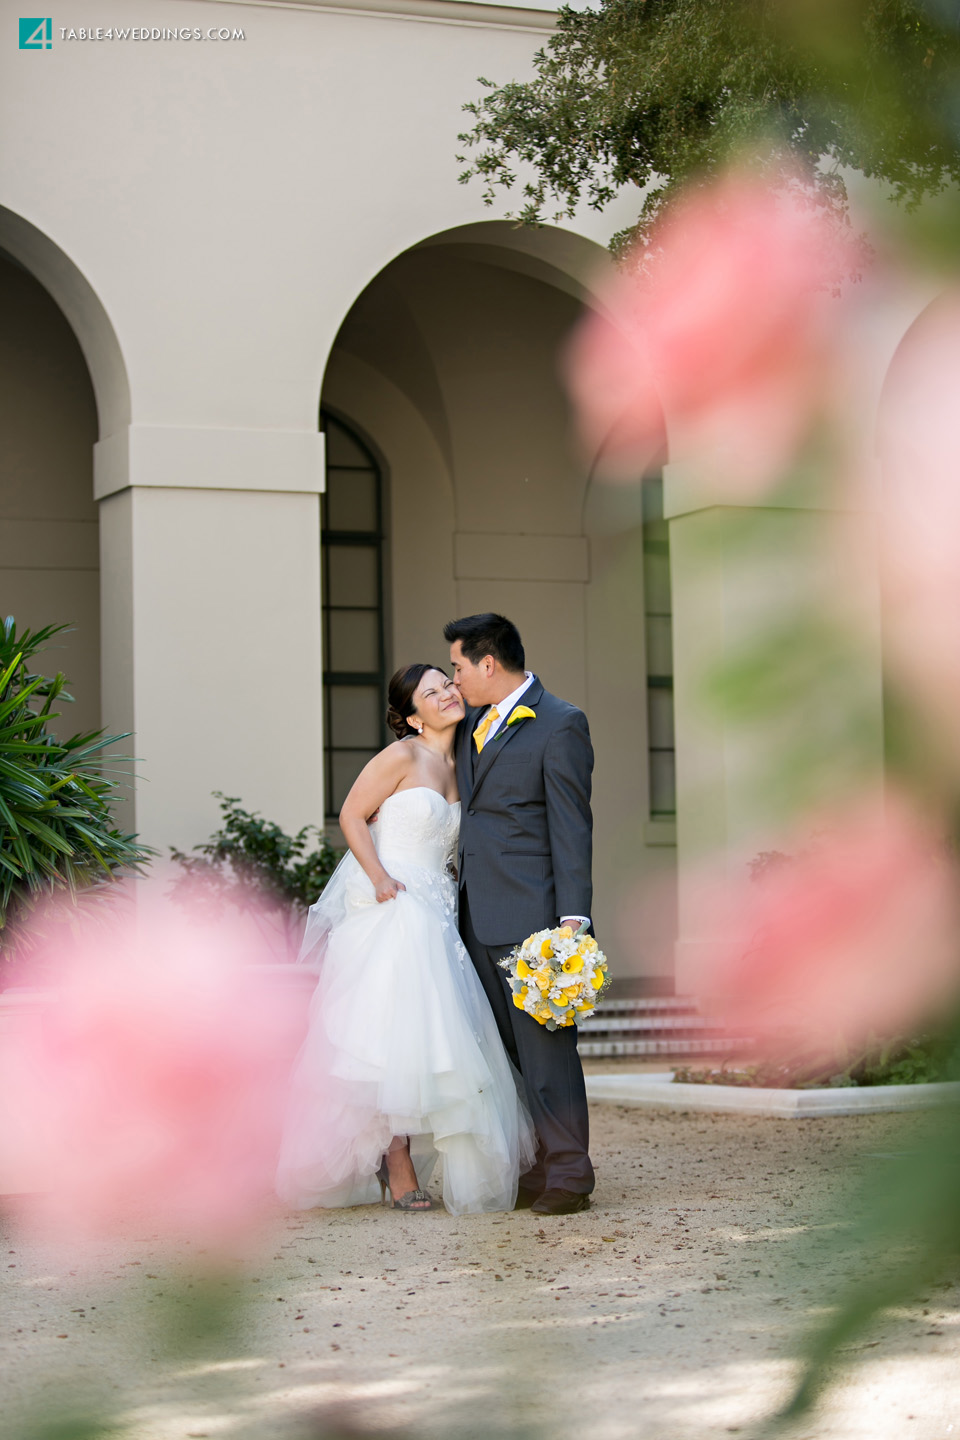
[(44, 832), (55, 797)]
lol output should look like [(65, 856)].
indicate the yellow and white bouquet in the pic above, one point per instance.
[(557, 976)]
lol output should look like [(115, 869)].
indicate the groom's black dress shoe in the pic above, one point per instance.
[(560, 1202), (525, 1198)]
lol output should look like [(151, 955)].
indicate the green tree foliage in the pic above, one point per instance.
[(57, 831), (653, 92)]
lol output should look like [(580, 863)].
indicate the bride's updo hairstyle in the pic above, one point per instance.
[(400, 698)]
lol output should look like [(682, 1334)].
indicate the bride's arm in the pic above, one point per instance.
[(378, 779)]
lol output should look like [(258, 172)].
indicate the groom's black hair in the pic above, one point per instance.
[(488, 634)]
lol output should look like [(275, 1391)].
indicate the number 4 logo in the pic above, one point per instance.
[(36, 34)]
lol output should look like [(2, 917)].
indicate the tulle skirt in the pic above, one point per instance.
[(402, 1041)]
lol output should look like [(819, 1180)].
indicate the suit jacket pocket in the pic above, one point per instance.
[(527, 867)]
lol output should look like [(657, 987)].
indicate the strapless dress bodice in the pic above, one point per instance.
[(417, 827)]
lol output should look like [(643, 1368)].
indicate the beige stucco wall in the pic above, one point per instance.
[(228, 203), (207, 592)]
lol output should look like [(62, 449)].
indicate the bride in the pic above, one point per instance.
[(402, 1057)]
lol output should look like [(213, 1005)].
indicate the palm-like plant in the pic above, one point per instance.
[(57, 832)]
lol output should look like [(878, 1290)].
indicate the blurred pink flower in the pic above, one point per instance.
[(920, 454), (722, 331), (153, 1079), (854, 937)]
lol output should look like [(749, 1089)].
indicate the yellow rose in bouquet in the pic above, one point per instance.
[(557, 977)]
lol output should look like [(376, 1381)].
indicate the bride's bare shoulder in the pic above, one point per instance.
[(398, 755), (391, 765)]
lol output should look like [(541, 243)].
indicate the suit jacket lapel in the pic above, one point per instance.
[(465, 755), (488, 755)]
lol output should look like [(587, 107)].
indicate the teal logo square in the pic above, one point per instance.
[(36, 33)]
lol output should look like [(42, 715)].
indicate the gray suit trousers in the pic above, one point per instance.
[(552, 1075)]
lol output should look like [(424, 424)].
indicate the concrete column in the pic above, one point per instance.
[(210, 595), (777, 680)]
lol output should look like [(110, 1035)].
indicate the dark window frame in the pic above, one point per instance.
[(656, 541), (373, 539)]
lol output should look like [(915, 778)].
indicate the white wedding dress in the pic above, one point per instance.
[(401, 1039)]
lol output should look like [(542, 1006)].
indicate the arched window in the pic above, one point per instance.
[(354, 663)]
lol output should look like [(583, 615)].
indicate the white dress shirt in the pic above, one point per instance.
[(504, 708)]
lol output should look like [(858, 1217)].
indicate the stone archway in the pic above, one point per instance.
[(84, 312), (63, 382)]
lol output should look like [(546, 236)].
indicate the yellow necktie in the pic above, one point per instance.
[(480, 734)]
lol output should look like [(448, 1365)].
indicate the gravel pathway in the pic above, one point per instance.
[(671, 1310)]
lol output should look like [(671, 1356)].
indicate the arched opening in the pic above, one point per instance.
[(49, 552), (63, 386), (447, 369)]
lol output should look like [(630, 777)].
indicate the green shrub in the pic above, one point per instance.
[(57, 831), (915, 1060), (250, 862)]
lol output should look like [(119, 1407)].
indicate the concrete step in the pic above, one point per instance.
[(651, 1004), (655, 1025), (652, 1024), (716, 1045)]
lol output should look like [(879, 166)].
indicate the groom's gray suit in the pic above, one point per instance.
[(524, 863)]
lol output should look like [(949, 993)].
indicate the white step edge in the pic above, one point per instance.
[(681, 1003), (658, 1090), (719, 1045), (647, 1022)]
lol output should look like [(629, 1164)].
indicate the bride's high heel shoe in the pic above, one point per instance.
[(413, 1200)]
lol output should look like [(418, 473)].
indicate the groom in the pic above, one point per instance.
[(524, 762)]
